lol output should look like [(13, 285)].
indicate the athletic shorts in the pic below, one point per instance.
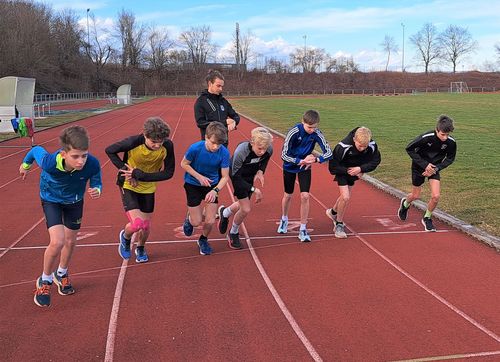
[(135, 201), (418, 180), (69, 215), (345, 180), (241, 188), (196, 194), (304, 181)]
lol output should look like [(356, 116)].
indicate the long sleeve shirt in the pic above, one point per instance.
[(245, 164), (428, 148), (298, 144), (346, 155), (213, 107), (58, 185), (149, 165)]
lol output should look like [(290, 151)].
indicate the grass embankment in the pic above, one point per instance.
[(470, 186)]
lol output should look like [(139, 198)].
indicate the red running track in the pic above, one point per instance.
[(388, 292)]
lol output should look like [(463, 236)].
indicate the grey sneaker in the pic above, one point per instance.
[(339, 231), (403, 211)]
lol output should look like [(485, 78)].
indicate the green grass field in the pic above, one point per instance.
[(470, 187)]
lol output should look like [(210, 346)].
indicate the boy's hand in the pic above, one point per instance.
[(94, 193), (429, 170), (211, 196), (258, 195), (23, 172), (231, 124), (354, 171), (204, 181), (259, 176), (127, 173)]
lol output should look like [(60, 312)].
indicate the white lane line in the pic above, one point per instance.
[(452, 356), (11, 247), (113, 319), (281, 304)]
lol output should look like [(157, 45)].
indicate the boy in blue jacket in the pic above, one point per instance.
[(297, 159), (63, 182)]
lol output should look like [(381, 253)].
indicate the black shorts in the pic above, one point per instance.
[(69, 215), (135, 201), (304, 181), (196, 194), (346, 180), (241, 188), (418, 180)]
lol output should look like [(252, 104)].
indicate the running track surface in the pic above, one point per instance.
[(388, 292)]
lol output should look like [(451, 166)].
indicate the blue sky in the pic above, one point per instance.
[(350, 28)]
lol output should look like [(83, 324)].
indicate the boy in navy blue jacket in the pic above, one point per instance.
[(63, 182), (297, 159), (355, 155)]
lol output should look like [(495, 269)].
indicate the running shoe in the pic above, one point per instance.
[(233, 241), (403, 211), (283, 228), (187, 227), (304, 236), (124, 246), (428, 225), (42, 292), (64, 287), (141, 256), (340, 231), (205, 248), (223, 221)]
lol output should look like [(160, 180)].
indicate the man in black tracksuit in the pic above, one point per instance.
[(430, 153), (212, 106), (355, 155)]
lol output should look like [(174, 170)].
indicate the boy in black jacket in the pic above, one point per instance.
[(355, 155), (212, 106), (147, 158), (430, 152)]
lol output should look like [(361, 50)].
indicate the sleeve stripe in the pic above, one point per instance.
[(284, 153)]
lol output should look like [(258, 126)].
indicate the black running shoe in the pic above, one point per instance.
[(223, 221), (428, 225), (233, 240), (403, 211)]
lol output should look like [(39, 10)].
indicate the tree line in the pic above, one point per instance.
[(52, 47)]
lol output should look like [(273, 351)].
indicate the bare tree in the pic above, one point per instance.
[(341, 65), (99, 50), (197, 41), (497, 49), (159, 44), (274, 65), (308, 60), (67, 36), (456, 42), (427, 43), (389, 45), (132, 37)]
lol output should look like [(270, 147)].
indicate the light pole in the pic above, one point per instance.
[(403, 57), (305, 52), (88, 34)]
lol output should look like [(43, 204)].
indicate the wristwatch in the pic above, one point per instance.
[(216, 189)]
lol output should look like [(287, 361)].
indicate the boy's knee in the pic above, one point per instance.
[(435, 197), (245, 210), (304, 196), (287, 196), (345, 197)]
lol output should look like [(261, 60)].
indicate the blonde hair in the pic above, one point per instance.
[(261, 136), (363, 135)]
